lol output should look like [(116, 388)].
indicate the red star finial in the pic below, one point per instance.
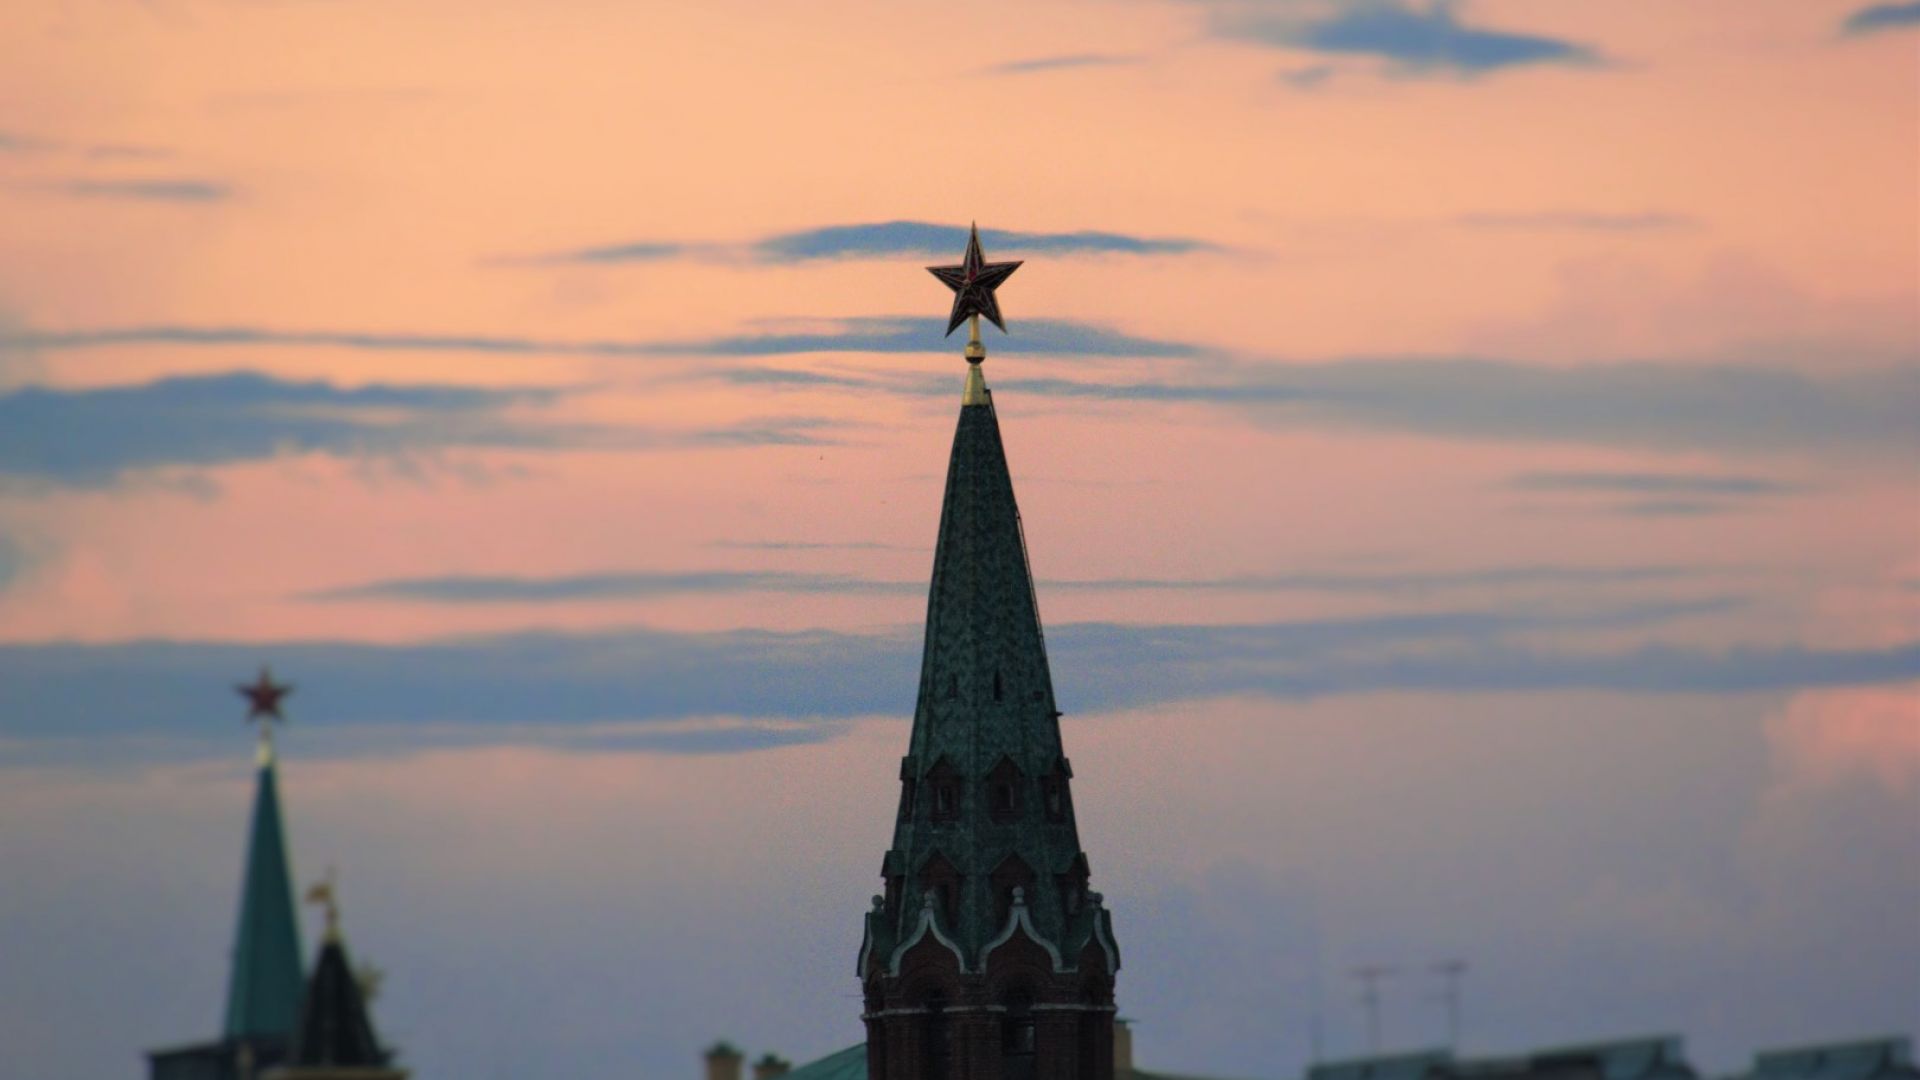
[(263, 696), (973, 282)]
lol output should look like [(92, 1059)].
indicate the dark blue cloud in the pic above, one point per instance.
[(1411, 38), (1880, 17), (497, 588), (926, 238), (884, 239), (1663, 406), (909, 334), (400, 341), (1667, 406), (174, 191), (1465, 653), (1060, 63), (94, 437), (1395, 583), (1679, 406), (1659, 405), (555, 682), (867, 334)]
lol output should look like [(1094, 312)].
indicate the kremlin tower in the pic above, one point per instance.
[(987, 957)]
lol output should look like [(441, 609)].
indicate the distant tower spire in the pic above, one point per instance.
[(263, 992), (335, 1039)]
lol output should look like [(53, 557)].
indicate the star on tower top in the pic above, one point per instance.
[(263, 696), (973, 282), (263, 704)]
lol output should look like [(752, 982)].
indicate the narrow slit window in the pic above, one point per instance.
[(1003, 800)]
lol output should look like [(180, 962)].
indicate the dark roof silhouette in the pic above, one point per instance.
[(335, 1028)]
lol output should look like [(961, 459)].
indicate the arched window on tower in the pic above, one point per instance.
[(943, 786), (1073, 886), (1053, 791), (1003, 791), (1016, 1035), (941, 878), (937, 1040)]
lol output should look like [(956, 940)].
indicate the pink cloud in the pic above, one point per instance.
[(1828, 736)]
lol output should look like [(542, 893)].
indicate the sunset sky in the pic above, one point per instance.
[(1467, 451)]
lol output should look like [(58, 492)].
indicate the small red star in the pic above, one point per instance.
[(263, 696)]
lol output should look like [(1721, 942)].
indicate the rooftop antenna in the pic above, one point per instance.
[(1370, 976), (1451, 972)]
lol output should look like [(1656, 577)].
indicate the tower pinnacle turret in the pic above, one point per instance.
[(335, 1039)]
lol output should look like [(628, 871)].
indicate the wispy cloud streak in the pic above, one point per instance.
[(866, 334), (1724, 407), (1415, 40), (567, 588), (12, 142), (1653, 405), (1881, 17), (559, 681), (813, 545), (164, 191), (91, 437), (905, 334), (11, 561), (95, 437), (514, 589), (1065, 62), (1640, 483), (880, 239)]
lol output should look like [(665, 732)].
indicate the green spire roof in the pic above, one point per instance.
[(263, 995), (986, 822)]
